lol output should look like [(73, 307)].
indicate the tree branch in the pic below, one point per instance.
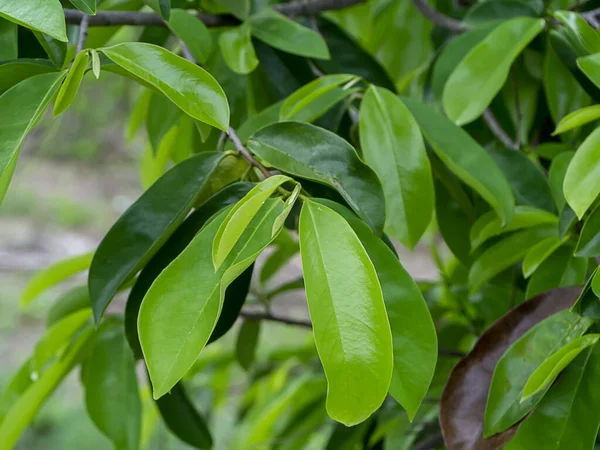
[(83, 33), (246, 154), (591, 18), (115, 18), (498, 131), (439, 19), (252, 315)]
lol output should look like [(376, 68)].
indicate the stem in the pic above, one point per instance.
[(439, 19), (246, 154), (251, 315), (497, 130), (83, 32)]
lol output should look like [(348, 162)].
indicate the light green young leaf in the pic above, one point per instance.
[(189, 86), (582, 180), (579, 32), (310, 93), (53, 275), (247, 339), (392, 145), (96, 66), (85, 6), (465, 157), (69, 88), (8, 40), (193, 32), (577, 119), (285, 34), (539, 253), (46, 16), (241, 215), (547, 372), (187, 297), (112, 396), (237, 49), (481, 74), (26, 102), (350, 323)]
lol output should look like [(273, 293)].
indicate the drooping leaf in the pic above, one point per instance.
[(465, 395), (392, 145), (350, 324), (192, 32), (70, 86), (285, 34), (247, 339), (237, 49), (42, 15), (481, 73), (146, 225), (465, 157), (578, 118), (26, 102), (311, 152), (190, 87), (85, 6), (582, 180), (112, 396), (413, 332)]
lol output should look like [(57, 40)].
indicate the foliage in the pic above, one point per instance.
[(328, 129)]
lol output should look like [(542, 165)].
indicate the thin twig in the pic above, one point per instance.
[(187, 54), (83, 32), (246, 154), (252, 315), (497, 130), (114, 18), (450, 353), (435, 441), (441, 20)]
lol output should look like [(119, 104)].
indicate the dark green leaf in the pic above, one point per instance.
[(8, 40), (161, 115), (498, 10), (247, 339), (12, 73), (86, 6)]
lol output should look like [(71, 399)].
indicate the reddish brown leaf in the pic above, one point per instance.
[(463, 402)]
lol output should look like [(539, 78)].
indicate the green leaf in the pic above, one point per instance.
[(145, 226), (8, 40), (239, 8), (285, 34), (596, 283), (556, 177), (85, 6), (582, 180), (164, 7), (588, 244), (465, 157), (413, 332), (514, 368), (72, 301), (577, 119), (96, 66), (488, 225), (350, 323), (539, 253), (188, 297), (41, 15), (310, 93), (480, 75), (237, 49), (588, 303), (241, 215), (69, 88), (27, 101), (193, 32), (12, 73), (590, 65), (190, 87), (286, 247), (161, 116), (504, 254), (54, 274), (60, 53), (24, 409), (498, 10), (182, 418), (547, 372), (311, 152), (566, 417), (112, 395), (579, 32), (392, 145), (247, 339)]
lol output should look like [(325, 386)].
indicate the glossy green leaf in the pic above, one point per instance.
[(566, 418), (582, 180), (188, 297), (465, 157), (190, 87), (539, 253), (285, 34), (86, 6), (498, 10), (579, 32), (311, 152), (350, 323), (241, 215), (237, 49), (488, 225), (42, 15), (70, 86), (247, 340), (556, 177), (12, 73), (392, 145), (8, 40), (311, 93), (112, 395), (547, 372), (413, 332), (577, 119), (516, 365), (27, 102), (53, 275), (504, 254), (193, 32), (145, 226), (483, 71)]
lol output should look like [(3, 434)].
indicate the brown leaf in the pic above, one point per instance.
[(463, 402)]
